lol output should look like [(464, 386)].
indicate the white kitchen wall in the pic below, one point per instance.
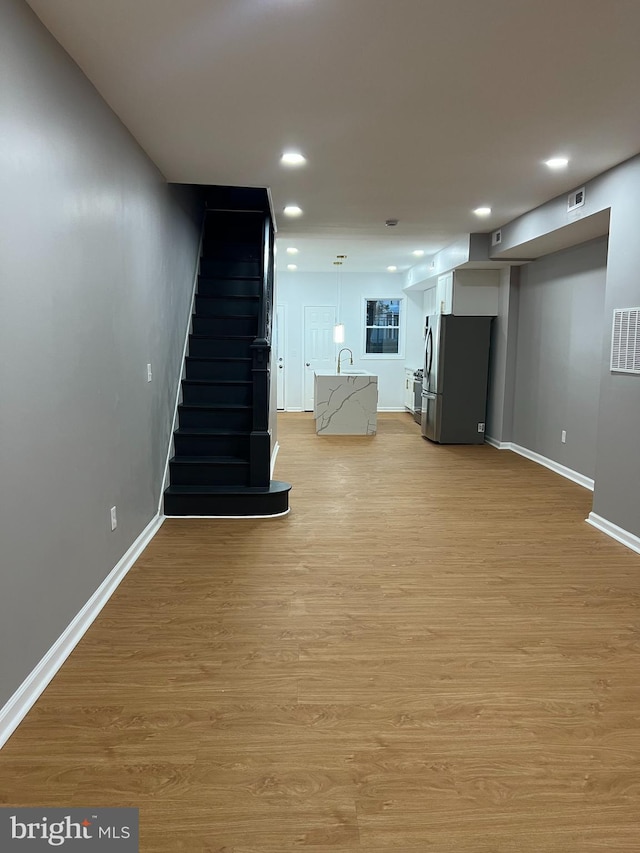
[(299, 289)]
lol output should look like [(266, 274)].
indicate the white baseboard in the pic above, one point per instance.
[(618, 533), (231, 517), (19, 705), (569, 473), (292, 409), (393, 409), (500, 445)]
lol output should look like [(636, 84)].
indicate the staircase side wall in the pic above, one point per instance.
[(98, 255)]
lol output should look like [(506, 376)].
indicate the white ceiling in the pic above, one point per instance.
[(415, 109)]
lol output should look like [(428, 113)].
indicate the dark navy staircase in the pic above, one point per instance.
[(222, 446)]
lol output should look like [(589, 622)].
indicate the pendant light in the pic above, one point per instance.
[(338, 329)]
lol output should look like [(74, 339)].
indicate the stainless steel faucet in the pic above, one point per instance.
[(340, 353)]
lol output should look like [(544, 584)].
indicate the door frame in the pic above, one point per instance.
[(281, 326)]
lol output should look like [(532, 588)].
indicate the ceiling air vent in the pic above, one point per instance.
[(625, 341), (575, 199), (496, 237)]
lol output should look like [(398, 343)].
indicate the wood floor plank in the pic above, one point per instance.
[(432, 652)]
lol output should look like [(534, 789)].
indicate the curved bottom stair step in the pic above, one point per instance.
[(227, 501)]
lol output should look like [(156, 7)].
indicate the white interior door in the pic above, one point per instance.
[(279, 355), (318, 346)]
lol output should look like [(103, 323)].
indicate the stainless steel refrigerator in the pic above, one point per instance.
[(456, 373)]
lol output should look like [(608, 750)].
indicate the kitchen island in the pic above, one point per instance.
[(345, 403)]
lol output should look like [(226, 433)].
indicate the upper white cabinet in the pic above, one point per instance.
[(473, 293)]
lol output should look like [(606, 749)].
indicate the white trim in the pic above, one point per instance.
[(272, 211), (393, 409), (500, 445), (165, 477), (18, 706), (293, 409), (383, 356), (274, 456), (618, 533), (556, 467), (569, 473), (233, 517), (283, 349)]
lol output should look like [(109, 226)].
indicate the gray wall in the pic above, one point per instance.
[(617, 191), (97, 258), (559, 353), (502, 363)]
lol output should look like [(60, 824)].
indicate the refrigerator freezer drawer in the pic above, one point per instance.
[(431, 415)]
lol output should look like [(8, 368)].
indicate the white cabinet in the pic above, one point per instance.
[(408, 389), (444, 294)]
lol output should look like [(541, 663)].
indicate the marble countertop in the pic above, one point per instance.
[(343, 373)]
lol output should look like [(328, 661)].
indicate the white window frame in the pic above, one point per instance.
[(382, 356)]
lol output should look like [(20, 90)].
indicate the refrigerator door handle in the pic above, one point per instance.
[(428, 353)]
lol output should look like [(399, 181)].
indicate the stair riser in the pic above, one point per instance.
[(211, 445), (226, 420), (213, 268), (224, 306), (203, 348), (213, 308), (214, 326), (230, 287), (207, 395), (213, 370), (227, 505), (212, 247), (189, 474)]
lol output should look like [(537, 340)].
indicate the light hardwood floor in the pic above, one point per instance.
[(432, 652)]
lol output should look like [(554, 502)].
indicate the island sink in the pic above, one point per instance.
[(346, 403)]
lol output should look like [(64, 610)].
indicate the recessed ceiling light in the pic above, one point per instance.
[(293, 158), (392, 269), (292, 267), (418, 253), (292, 210), (482, 211), (557, 163), (292, 251)]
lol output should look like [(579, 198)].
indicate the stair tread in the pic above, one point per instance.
[(210, 460), (214, 406), (254, 297), (217, 358), (196, 431), (224, 337), (274, 486), (225, 317), (217, 382)]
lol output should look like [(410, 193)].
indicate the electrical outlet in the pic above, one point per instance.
[(480, 426), (149, 373), (114, 518), (564, 436)]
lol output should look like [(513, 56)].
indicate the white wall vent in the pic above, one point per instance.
[(496, 237), (625, 341), (575, 199)]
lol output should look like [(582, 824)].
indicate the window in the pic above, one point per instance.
[(382, 332)]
